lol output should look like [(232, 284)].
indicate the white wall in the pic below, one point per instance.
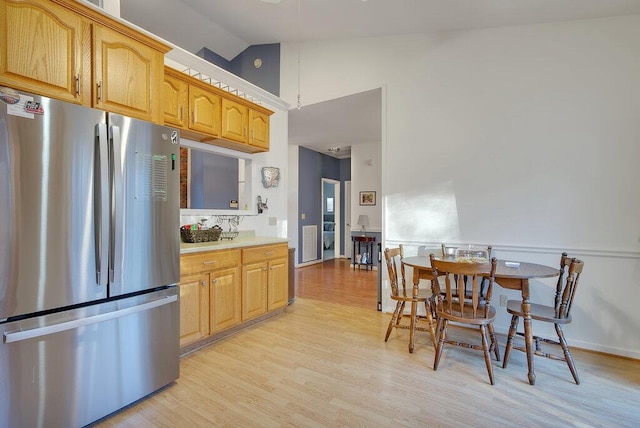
[(523, 137), (365, 176)]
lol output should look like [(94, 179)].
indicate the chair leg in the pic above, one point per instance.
[(567, 354), (394, 319), (487, 354), (512, 333), (494, 342), (400, 312), (427, 308), (442, 331)]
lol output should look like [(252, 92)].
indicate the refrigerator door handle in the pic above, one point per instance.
[(83, 322), (117, 218), (101, 204)]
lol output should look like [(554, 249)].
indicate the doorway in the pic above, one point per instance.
[(331, 210)]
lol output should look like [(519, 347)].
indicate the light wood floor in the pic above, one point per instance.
[(324, 363)]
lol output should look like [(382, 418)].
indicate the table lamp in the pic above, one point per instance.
[(363, 220)]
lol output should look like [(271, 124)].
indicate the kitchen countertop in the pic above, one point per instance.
[(239, 242)]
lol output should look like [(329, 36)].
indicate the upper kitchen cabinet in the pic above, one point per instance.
[(66, 50), (204, 109), (43, 50), (128, 75), (259, 129), (214, 116), (175, 101), (235, 121)]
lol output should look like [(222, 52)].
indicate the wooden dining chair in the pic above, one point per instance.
[(472, 309), (401, 294), (449, 251), (558, 314)]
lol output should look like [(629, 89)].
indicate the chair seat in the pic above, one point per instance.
[(538, 312), (457, 316), (423, 296)]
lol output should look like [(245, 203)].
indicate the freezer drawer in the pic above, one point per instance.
[(72, 368)]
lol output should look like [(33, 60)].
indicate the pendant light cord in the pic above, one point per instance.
[(299, 103)]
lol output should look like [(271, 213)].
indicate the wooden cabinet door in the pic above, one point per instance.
[(42, 50), (254, 290), (258, 129), (175, 101), (204, 111), (194, 308), (127, 74), (278, 284), (235, 120), (225, 304)]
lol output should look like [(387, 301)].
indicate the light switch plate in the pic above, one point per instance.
[(273, 221), (303, 216)]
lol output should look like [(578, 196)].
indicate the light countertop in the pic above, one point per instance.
[(239, 242)]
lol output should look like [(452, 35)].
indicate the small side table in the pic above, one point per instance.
[(363, 251)]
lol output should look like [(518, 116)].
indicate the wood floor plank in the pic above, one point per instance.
[(325, 363)]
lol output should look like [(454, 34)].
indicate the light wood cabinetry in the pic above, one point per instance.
[(222, 289), (127, 75), (209, 293), (66, 50), (194, 308), (43, 49), (258, 129), (264, 279), (211, 115), (235, 121), (175, 101), (204, 109)]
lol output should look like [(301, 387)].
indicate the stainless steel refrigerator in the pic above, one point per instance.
[(89, 261)]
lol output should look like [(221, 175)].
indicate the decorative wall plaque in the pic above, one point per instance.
[(270, 176)]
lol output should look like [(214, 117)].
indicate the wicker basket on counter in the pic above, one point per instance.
[(202, 235)]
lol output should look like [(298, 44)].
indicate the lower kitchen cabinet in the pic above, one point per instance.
[(194, 308), (264, 279), (209, 294), (225, 304), (222, 289)]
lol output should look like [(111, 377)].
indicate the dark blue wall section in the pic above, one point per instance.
[(309, 193), (266, 77), (313, 167), (345, 175), (209, 170), (216, 59), (330, 167)]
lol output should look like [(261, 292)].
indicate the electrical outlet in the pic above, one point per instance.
[(273, 221), (303, 216), (503, 300)]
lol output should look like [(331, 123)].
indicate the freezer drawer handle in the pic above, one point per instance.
[(70, 325)]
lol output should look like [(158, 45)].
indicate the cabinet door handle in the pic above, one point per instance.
[(204, 283), (215, 281), (210, 262), (253, 136), (181, 113), (78, 85), (264, 269), (100, 91)]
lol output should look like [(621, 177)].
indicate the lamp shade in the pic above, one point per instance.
[(363, 220)]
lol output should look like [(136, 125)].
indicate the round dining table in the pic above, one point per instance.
[(513, 275)]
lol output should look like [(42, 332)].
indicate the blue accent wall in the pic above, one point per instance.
[(313, 167), (266, 77), (345, 175), (209, 170), (309, 193)]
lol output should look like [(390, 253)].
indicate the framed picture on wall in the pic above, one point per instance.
[(329, 205), (367, 198)]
